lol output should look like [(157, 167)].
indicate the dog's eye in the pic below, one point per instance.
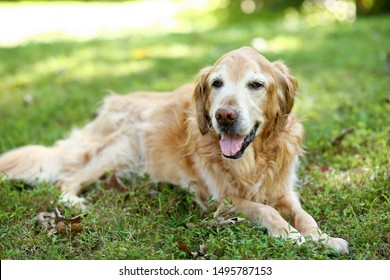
[(256, 85), (217, 83)]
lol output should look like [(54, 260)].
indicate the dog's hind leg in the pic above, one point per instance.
[(89, 164), (72, 184)]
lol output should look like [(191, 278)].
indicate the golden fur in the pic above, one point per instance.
[(231, 135)]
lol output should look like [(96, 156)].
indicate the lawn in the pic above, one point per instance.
[(49, 86)]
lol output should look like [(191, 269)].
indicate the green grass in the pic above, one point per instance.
[(343, 84)]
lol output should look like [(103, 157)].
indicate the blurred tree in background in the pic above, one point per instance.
[(237, 9), (372, 7)]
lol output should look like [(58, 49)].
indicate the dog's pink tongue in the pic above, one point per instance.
[(231, 144)]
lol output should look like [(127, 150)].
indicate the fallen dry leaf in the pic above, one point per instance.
[(54, 222), (181, 245), (63, 226), (76, 219), (322, 168), (197, 255)]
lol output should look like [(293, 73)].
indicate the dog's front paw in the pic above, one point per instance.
[(289, 234), (71, 200), (295, 236), (338, 244)]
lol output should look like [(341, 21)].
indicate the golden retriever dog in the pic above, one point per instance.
[(232, 135)]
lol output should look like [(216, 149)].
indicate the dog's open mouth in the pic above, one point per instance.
[(233, 146)]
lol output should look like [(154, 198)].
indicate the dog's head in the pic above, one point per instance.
[(239, 94)]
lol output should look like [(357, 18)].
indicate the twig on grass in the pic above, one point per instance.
[(337, 141)]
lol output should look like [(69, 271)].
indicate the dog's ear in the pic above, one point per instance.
[(201, 94), (289, 86)]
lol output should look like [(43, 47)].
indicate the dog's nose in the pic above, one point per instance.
[(226, 116)]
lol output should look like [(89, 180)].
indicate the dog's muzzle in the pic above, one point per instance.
[(232, 143)]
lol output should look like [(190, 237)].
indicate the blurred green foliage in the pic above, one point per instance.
[(236, 10), (372, 7)]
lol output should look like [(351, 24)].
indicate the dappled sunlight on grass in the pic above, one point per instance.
[(87, 70), (84, 65), (89, 63), (175, 50)]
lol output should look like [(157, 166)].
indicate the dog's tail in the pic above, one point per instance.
[(32, 164), (84, 156)]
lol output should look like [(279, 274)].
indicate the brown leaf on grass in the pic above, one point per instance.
[(322, 168), (76, 219), (181, 245), (115, 184), (65, 227), (54, 222), (337, 141), (71, 225), (197, 255), (325, 168)]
